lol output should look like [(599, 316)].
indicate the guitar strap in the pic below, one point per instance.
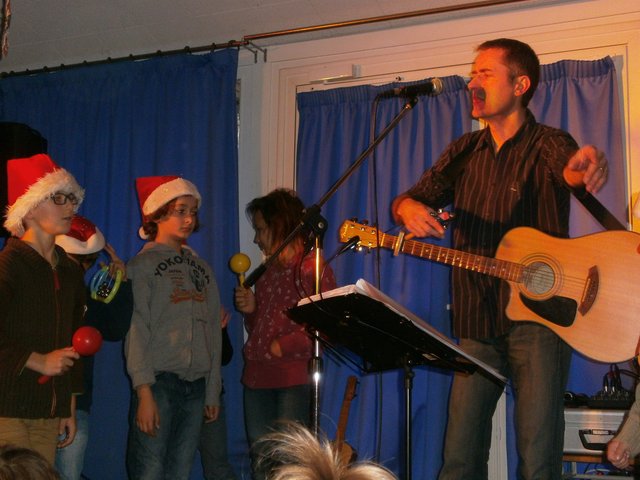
[(591, 203), (599, 211)]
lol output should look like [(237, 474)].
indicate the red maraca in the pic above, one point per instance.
[(86, 341)]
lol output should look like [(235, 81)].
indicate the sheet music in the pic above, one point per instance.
[(363, 287)]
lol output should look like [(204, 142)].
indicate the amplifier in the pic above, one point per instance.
[(587, 431)]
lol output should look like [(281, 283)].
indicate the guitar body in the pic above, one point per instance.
[(346, 452), (584, 289)]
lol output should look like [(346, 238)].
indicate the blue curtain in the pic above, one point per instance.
[(334, 131), (112, 123), (579, 97)]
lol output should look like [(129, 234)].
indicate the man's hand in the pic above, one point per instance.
[(418, 219), (618, 454), (588, 167)]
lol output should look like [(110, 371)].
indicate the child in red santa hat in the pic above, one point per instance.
[(42, 301), (173, 348), (109, 308)]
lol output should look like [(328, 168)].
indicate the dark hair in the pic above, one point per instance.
[(150, 222), (282, 211), (521, 60), (19, 463)]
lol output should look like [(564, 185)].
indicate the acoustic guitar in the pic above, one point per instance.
[(346, 451), (585, 289)]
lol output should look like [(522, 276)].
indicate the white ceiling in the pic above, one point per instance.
[(54, 32)]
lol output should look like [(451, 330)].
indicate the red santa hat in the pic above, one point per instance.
[(155, 192), (30, 181), (83, 238)]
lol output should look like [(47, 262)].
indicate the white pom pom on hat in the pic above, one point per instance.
[(30, 181)]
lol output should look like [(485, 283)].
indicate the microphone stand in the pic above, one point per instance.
[(313, 220)]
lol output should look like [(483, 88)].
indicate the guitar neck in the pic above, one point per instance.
[(503, 269), (342, 422), (349, 393)]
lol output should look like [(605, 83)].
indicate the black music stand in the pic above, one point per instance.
[(385, 336)]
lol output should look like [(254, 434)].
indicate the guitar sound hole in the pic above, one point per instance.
[(539, 278)]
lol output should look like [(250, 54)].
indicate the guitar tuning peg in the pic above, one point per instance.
[(365, 222)]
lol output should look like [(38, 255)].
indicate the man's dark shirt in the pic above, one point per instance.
[(521, 185)]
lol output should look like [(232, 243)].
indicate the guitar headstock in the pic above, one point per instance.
[(368, 234)]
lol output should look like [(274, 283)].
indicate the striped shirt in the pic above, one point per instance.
[(521, 185)]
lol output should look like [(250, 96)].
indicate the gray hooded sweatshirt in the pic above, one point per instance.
[(175, 325)]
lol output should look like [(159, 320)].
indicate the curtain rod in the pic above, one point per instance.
[(383, 18), (247, 40), (142, 56)]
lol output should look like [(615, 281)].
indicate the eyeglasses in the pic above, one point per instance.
[(184, 212), (60, 198)]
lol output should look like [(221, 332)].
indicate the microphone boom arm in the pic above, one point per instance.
[(313, 212)]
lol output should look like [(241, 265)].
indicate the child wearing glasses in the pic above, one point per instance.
[(42, 301), (173, 348)]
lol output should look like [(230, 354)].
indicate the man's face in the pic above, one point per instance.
[(494, 88)]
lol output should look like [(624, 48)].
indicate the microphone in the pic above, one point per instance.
[(351, 243), (432, 86)]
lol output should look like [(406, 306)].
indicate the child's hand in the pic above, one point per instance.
[(245, 300), (147, 416), (225, 316), (276, 349), (116, 263), (211, 413), (53, 363)]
